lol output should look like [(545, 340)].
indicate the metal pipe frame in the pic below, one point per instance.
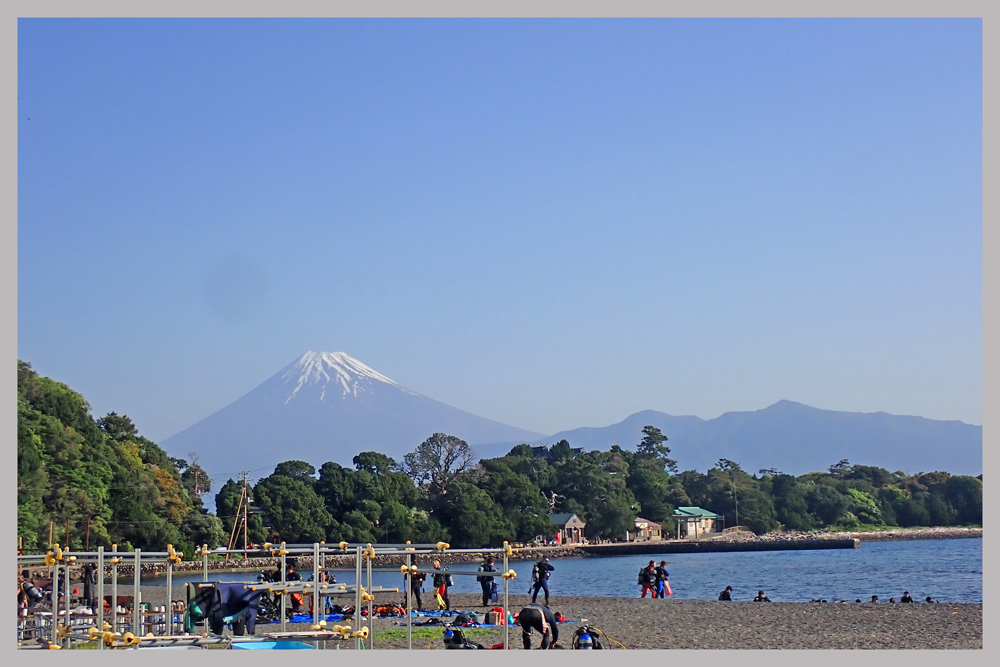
[(320, 591), (316, 581), (100, 594), (409, 602), (357, 597), (371, 629), (284, 597), (136, 593), (67, 595), (170, 597)]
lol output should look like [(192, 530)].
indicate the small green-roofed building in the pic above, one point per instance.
[(694, 521), (569, 528)]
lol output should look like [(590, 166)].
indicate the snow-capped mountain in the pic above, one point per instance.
[(315, 371), (327, 406)]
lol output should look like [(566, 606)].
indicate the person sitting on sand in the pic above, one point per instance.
[(874, 599), (726, 595), (906, 597), (539, 617), (761, 597)]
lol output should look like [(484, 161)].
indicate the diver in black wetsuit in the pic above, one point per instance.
[(541, 618), (540, 578)]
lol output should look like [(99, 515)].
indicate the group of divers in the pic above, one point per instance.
[(534, 616)]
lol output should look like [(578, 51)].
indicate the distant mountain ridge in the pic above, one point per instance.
[(795, 438), (327, 406)]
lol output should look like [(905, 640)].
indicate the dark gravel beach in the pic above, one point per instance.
[(699, 624)]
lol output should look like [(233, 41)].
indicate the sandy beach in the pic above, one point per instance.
[(699, 624)]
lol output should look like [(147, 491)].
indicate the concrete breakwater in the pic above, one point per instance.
[(944, 532), (709, 546)]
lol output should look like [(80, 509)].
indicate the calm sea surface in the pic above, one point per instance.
[(949, 570)]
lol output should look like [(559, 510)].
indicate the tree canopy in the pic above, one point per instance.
[(104, 476)]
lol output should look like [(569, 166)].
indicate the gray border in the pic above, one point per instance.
[(510, 8)]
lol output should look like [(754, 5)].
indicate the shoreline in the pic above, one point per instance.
[(564, 551)]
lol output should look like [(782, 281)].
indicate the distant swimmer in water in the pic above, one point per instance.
[(726, 595), (761, 597), (906, 597), (874, 599)]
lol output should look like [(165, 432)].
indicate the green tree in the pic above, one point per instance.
[(438, 461), (965, 494), (292, 508), (651, 448), (471, 517), (826, 504)]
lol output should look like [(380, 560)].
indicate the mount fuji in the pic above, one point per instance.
[(327, 406)]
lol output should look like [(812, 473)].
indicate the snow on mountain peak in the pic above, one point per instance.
[(344, 371)]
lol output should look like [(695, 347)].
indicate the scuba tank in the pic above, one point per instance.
[(586, 639)]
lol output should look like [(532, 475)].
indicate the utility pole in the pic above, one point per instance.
[(246, 502)]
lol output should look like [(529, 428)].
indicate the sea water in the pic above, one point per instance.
[(949, 570)]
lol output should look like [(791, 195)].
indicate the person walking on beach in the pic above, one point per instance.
[(442, 582), (538, 617), (647, 577), (726, 595), (486, 582), (662, 580), (540, 579)]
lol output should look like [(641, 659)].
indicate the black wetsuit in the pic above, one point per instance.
[(541, 618), (90, 585), (416, 582), (486, 582), (724, 596), (542, 570)]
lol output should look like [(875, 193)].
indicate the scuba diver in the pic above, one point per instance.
[(540, 579), (761, 597), (291, 574), (726, 595), (441, 583), (906, 597), (539, 617), (646, 577), (487, 583), (416, 584)]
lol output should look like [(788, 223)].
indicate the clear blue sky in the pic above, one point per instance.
[(548, 223)]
